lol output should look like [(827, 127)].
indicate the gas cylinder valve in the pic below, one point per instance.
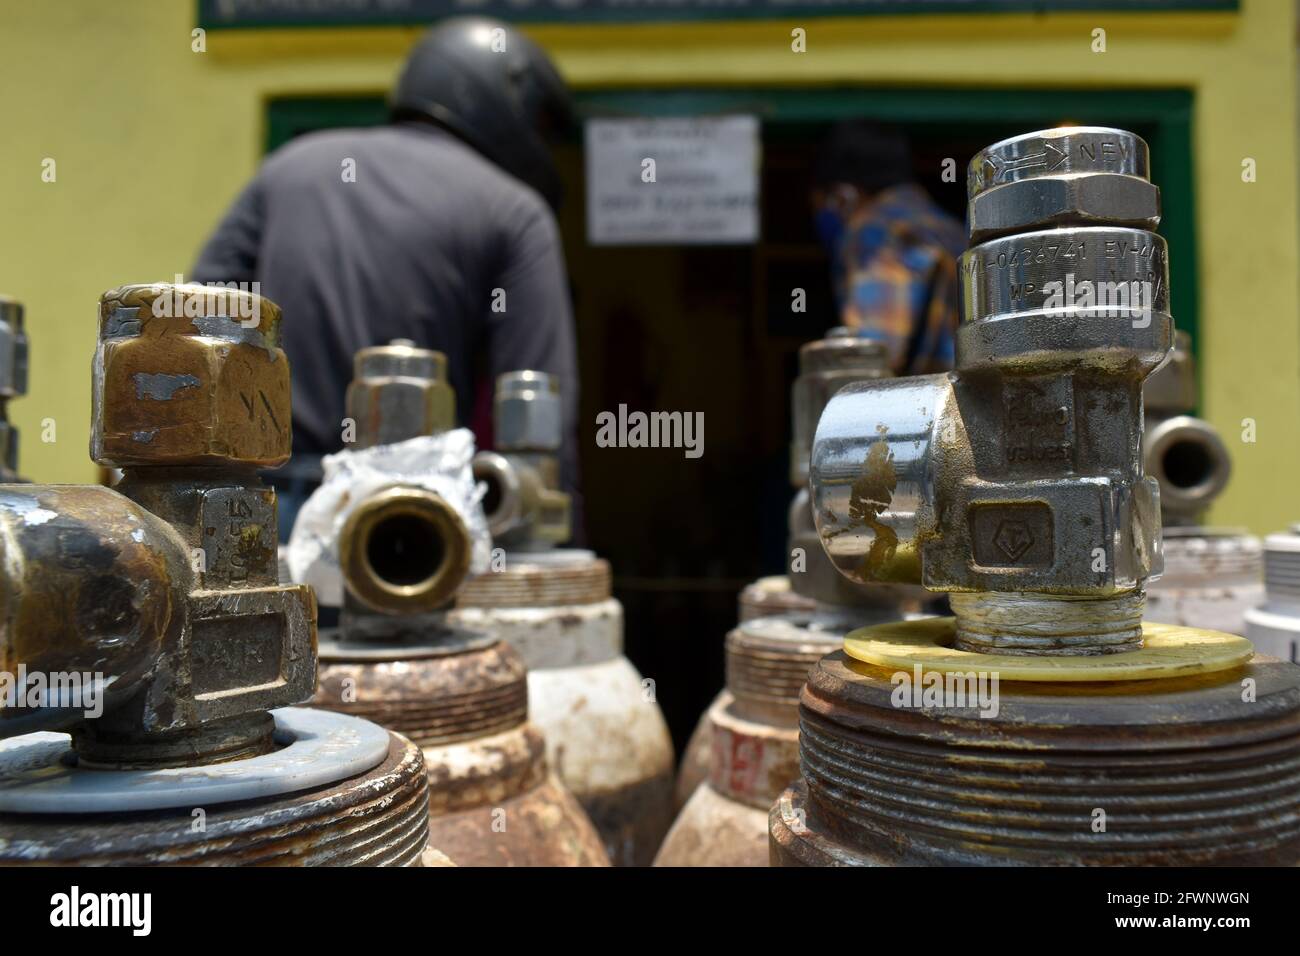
[(404, 550), (1183, 453), (165, 586), (1015, 481), (526, 511)]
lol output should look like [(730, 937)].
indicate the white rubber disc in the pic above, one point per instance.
[(317, 747)]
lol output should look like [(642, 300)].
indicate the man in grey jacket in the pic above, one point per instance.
[(438, 228)]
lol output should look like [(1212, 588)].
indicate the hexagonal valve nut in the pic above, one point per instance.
[(1078, 175), (189, 375), (398, 392), (527, 412)]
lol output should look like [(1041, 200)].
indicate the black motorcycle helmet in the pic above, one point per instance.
[(495, 90)]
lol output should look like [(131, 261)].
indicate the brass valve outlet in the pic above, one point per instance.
[(1016, 480), (404, 550), (166, 585), (525, 509), (13, 381), (1184, 454)]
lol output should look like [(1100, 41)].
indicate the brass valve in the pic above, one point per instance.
[(525, 509), (166, 586), (404, 550), (399, 391)]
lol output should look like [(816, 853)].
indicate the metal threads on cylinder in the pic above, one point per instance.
[(434, 700), (767, 660), (1047, 624), (539, 585), (379, 818), (1194, 775), (1282, 566)]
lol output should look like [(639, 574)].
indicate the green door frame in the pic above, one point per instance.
[(1162, 116)]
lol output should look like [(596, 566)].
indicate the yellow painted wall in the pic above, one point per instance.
[(152, 140)]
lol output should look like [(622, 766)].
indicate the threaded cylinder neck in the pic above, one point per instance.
[(1033, 624)]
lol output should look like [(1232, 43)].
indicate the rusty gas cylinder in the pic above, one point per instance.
[(1045, 723), (606, 738), (460, 694), (158, 607)]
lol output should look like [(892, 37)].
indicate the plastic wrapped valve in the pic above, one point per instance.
[(439, 463)]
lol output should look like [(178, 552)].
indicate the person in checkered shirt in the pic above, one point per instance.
[(893, 250)]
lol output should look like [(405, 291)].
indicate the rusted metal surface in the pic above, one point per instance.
[(463, 696), (693, 769), (606, 739), (378, 818), (725, 821), (528, 584), (548, 638), (745, 747), (607, 742), (1016, 484), (186, 375), (434, 695), (493, 803), (172, 574), (1186, 772), (543, 827), (168, 586), (767, 661), (715, 831)]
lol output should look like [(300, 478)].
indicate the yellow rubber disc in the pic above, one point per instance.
[(1168, 651)]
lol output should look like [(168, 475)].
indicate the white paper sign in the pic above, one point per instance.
[(672, 180)]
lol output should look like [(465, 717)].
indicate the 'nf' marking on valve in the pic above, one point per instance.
[(1052, 156), (1013, 539)]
